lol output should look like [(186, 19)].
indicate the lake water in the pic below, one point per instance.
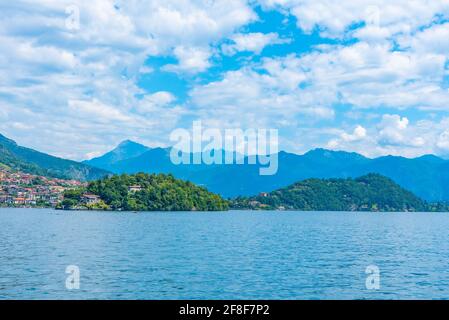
[(232, 255)]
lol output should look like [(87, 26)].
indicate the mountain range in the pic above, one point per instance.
[(31, 161), (426, 176)]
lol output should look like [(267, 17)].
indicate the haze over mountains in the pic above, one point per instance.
[(426, 176)]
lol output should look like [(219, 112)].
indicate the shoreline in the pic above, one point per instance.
[(217, 211)]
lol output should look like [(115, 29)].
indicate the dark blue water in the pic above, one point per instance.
[(234, 255)]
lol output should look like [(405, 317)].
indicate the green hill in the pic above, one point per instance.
[(371, 192), (158, 192), (30, 161), (10, 161)]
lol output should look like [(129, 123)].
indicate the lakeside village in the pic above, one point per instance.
[(21, 190)]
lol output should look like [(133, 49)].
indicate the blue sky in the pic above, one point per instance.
[(78, 77)]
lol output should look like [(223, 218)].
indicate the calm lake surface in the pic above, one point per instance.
[(233, 255)]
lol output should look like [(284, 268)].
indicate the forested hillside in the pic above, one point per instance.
[(371, 192)]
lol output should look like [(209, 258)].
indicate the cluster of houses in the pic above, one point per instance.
[(91, 199), (19, 189)]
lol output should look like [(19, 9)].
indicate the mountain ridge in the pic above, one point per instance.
[(126, 149), (427, 176), (31, 161)]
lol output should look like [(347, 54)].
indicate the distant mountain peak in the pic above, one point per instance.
[(427, 176), (321, 151), (126, 149), (326, 153), (431, 158), (128, 143), (129, 148)]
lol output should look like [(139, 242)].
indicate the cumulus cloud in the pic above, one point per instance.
[(253, 42), (191, 60), (362, 75), (97, 110), (335, 18), (155, 102), (392, 129), (358, 134), (373, 75), (394, 135), (265, 95), (443, 141), (81, 86), (432, 39)]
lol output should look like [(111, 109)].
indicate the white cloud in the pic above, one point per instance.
[(430, 40), (372, 75), (344, 139), (394, 135), (155, 102), (358, 134), (334, 18), (79, 86), (265, 96), (146, 70), (98, 110), (253, 42), (191, 60), (279, 90), (392, 129), (372, 34), (443, 141), (175, 23)]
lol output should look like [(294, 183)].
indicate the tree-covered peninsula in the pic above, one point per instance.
[(371, 192), (143, 192)]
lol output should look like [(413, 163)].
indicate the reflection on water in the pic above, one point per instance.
[(234, 255)]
